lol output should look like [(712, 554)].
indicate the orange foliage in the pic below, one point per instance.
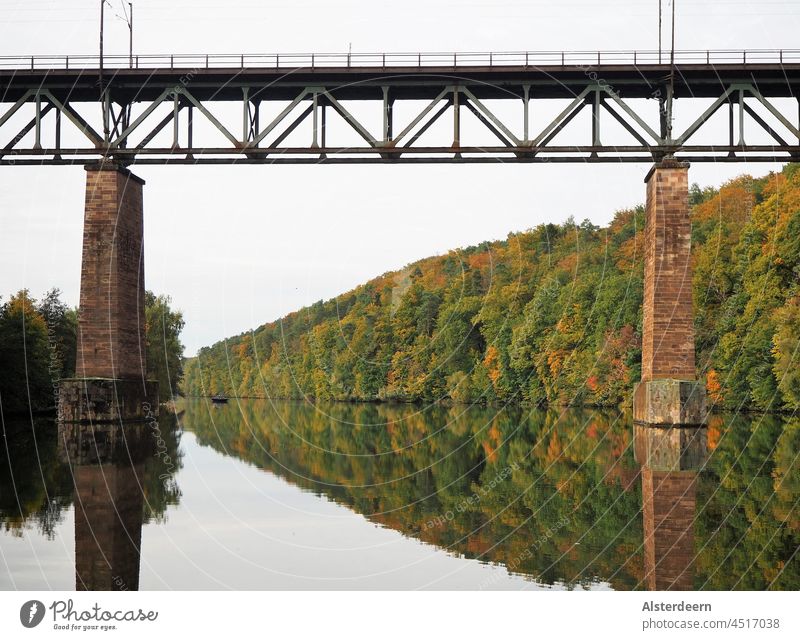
[(714, 431), (569, 263), (492, 444), (554, 360), (713, 386), (240, 350), (479, 260), (733, 203), (554, 449), (492, 363), (477, 544), (630, 251)]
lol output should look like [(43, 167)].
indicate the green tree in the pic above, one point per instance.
[(164, 348), (62, 333), (25, 383)]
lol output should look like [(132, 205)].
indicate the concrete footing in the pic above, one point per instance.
[(667, 402), (107, 400)]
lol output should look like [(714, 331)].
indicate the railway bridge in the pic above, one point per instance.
[(666, 110)]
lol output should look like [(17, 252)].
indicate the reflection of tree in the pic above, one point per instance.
[(748, 528), (787, 475), (514, 487), (36, 486), (554, 497), (158, 479)]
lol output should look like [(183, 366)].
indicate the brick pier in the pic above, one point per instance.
[(669, 392), (111, 377)]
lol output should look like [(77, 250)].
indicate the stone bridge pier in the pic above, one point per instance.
[(669, 392), (111, 375)]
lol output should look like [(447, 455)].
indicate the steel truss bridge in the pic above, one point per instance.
[(125, 108)]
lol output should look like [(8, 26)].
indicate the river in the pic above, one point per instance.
[(281, 495)]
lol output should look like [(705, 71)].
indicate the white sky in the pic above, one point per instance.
[(238, 246)]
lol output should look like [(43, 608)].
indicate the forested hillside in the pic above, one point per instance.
[(550, 315)]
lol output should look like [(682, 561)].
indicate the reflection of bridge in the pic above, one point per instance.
[(152, 104), (136, 101)]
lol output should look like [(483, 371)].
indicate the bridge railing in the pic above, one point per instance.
[(403, 60)]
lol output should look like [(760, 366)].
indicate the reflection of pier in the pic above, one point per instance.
[(671, 458), (107, 466)]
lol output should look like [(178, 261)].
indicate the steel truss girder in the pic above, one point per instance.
[(313, 100)]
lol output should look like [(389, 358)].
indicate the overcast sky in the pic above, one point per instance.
[(238, 246)]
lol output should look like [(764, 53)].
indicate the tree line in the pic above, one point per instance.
[(38, 347), (551, 315)]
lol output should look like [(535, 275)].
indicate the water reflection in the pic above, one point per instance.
[(671, 459), (107, 463), (571, 498), (114, 478), (557, 496)]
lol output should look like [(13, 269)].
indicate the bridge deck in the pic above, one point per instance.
[(610, 85)]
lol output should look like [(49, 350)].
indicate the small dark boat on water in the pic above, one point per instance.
[(219, 399)]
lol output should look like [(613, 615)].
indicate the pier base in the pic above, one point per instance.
[(667, 402), (107, 400)]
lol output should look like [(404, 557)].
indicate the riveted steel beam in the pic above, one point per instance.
[(110, 127)]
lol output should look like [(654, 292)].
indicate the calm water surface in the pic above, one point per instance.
[(261, 495)]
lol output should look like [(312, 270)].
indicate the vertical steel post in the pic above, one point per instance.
[(255, 123), (190, 127), (175, 130), (456, 120), (245, 115), (390, 129), (58, 133), (526, 97), (106, 116), (741, 117), (314, 112), (323, 141), (385, 114), (730, 128), (668, 113), (37, 144)]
